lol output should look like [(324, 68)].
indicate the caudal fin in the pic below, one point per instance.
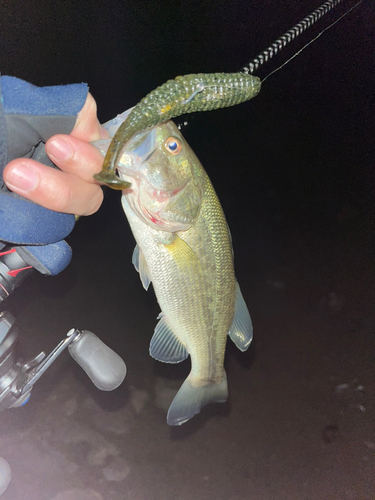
[(190, 399)]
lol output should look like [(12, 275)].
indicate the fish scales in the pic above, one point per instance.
[(184, 94)]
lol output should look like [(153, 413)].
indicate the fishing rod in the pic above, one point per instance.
[(293, 33)]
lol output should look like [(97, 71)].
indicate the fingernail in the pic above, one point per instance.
[(59, 150), (22, 178)]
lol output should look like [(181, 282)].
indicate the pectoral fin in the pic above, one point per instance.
[(182, 253), (165, 346), (140, 264), (241, 331)]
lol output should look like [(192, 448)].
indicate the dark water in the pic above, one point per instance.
[(294, 170)]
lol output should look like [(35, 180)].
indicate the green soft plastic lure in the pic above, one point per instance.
[(184, 94), (201, 92)]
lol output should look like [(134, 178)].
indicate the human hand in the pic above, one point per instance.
[(71, 189)]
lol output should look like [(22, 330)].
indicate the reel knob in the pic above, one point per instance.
[(105, 368)]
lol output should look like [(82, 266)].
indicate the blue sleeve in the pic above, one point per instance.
[(29, 115), (20, 97)]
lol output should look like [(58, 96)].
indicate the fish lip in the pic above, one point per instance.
[(171, 194), (132, 175)]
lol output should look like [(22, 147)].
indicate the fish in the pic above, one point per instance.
[(183, 94), (184, 248)]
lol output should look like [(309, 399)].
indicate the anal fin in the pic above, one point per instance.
[(165, 346)]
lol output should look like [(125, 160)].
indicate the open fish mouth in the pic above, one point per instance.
[(154, 205)]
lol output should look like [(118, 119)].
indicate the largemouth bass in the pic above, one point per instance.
[(184, 248)]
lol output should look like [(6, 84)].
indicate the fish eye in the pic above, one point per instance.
[(173, 145)]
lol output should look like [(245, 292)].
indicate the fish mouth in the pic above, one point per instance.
[(162, 218), (162, 195), (142, 195)]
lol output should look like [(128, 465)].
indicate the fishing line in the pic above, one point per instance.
[(285, 39), (293, 33), (305, 46)]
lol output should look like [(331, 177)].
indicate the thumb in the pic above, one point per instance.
[(87, 127)]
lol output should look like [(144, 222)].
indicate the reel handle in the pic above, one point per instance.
[(105, 367)]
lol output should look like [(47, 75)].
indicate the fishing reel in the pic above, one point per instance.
[(105, 368), (13, 270)]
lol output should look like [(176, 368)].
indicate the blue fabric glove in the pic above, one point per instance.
[(29, 116)]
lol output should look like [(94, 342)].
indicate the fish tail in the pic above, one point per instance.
[(191, 398)]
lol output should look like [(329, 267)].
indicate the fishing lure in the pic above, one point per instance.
[(200, 92), (184, 94)]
